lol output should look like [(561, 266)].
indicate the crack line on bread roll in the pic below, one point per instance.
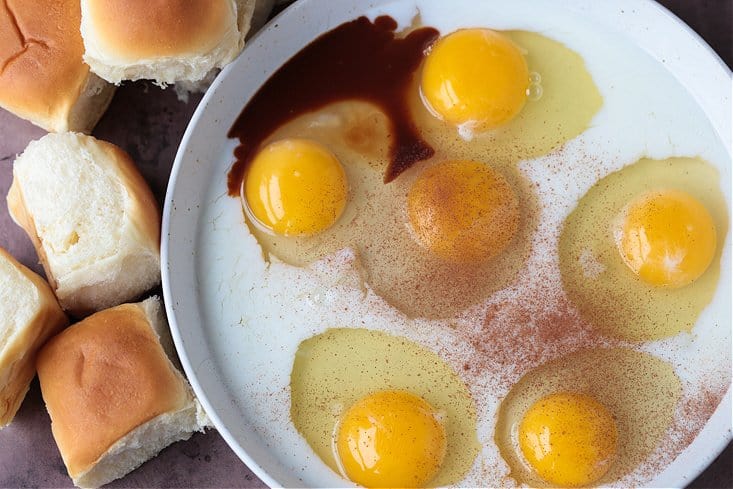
[(27, 42)]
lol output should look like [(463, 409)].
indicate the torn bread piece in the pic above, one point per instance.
[(166, 41), (43, 77), (29, 315), (114, 396), (92, 218)]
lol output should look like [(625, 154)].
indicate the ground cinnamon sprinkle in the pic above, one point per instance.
[(693, 412), (519, 335)]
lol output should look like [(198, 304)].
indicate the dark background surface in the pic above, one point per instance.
[(148, 123)]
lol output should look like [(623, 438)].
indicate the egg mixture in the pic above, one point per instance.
[(377, 220), (595, 273), (466, 320), (635, 391), (334, 370)]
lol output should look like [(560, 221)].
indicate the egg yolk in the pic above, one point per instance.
[(667, 238), (391, 439), (295, 187), (475, 76), (463, 211), (568, 439)]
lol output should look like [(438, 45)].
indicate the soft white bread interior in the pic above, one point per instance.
[(29, 315), (92, 218), (162, 40), (43, 77), (114, 396)]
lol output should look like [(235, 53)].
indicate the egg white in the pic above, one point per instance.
[(266, 310)]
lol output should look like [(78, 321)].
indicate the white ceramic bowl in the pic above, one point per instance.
[(205, 151)]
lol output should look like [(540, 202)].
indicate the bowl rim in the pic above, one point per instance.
[(711, 440)]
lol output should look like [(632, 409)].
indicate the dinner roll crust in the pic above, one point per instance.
[(130, 30), (162, 40), (42, 75), (113, 394)]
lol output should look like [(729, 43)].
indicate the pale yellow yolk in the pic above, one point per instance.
[(391, 439), (463, 211), (667, 238), (475, 76), (295, 187), (568, 439)]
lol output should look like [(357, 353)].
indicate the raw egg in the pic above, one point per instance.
[(383, 410), (475, 77), (568, 439), (640, 254), (295, 187), (391, 439), (666, 237), (586, 418), (463, 211), (558, 107)]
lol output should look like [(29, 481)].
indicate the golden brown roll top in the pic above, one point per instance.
[(42, 75), (143, 29), (163, 40), (114, 397)]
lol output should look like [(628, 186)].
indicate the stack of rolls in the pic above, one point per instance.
[(60, 60), (111, 381)]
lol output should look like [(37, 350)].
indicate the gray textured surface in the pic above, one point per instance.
[(149, 123)]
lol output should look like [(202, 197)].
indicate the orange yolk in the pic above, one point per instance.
[(295, 187), (463, 211), (568, 439), (667, 238), (391, 439), (477, 77)]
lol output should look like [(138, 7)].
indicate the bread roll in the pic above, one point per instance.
[(92, 218), (114, 396), (163, 40), (29, 315), (42, 75)]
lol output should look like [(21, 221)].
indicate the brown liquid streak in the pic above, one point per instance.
[(358, 60)]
